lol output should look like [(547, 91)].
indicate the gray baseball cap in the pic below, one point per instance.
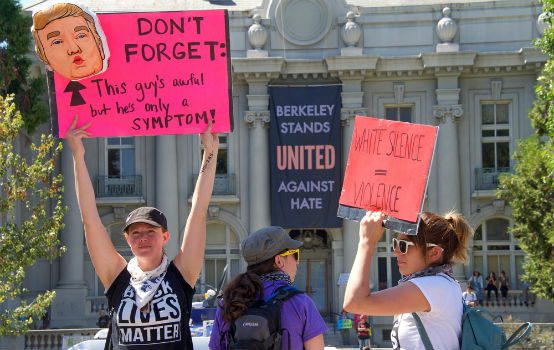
[(265, 243)]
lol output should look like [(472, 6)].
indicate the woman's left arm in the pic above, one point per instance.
[(315, 343), (358, 298), (190, 258)]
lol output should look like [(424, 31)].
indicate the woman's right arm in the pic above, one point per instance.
[(107, 262), (358, 298)]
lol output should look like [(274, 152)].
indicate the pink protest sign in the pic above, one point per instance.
[(168, 73), (388, 167)]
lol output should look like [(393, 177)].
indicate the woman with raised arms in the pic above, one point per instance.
[(150, 297)]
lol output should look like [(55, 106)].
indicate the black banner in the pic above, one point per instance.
[(305, 155)]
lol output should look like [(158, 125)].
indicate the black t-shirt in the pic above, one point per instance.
[(164, 327)]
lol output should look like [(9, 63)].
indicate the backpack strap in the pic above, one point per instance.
[(519, 335), (422, 332), (281, 295)]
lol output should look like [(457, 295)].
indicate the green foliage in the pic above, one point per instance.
[(29, 187), (15, 41), (530, 190)]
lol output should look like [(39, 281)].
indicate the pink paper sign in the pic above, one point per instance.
[(168, 73), (388, 167)]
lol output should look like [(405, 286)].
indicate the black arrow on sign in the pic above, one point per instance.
[(76, 98)]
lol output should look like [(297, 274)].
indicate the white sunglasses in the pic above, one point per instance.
[(403, 245)]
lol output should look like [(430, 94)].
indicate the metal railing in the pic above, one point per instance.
[(487, 178), (225, 184), (126, 186)]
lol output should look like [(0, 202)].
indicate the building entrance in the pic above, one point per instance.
[(314, 270)]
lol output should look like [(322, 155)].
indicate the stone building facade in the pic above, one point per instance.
[(468, 66)]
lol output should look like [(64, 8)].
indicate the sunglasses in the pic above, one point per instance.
[(295, 252), (403, 245)]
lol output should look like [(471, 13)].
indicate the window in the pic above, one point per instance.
[(495, 250), (224, 183), (222, 166), (495, 137), (403, 114), (222, 248), (120, 160), (387, 267)]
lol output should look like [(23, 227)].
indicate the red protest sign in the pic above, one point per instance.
[(149, 73), (388, 167)]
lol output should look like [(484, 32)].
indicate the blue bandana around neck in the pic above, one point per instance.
[(276, 276), (430, 271)]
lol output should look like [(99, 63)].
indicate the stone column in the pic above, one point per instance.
[(167, 189), (448, 111), (338, 263), (258, 193), (352, 100), (68, 309)]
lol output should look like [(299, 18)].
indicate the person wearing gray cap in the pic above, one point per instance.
[(150, 298), (272, 257)]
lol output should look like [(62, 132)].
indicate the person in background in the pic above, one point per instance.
[(504, 285), (476, 282), (427, 290), (469, 297), (103, 319), (364, 333), (344, 324), (491, 286)]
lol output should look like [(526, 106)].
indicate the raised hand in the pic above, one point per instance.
[(371, 227), (74, 137)]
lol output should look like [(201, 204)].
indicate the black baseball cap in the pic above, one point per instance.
[(147, 215)]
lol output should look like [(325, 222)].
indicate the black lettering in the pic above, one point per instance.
[(179, 116), (136, 125), (97, 82), (129, 51), (157, 121), (179, 54), (145, 21), (198, 21), (157, 28), (212, 45), (152, 52), (179, 26), (160, 48), (193, 50), (202, 116)]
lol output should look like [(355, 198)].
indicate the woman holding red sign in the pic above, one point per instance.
[(427, 290)]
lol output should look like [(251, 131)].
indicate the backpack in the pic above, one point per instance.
[(259, 326), (479, 332)]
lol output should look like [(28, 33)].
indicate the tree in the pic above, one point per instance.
[(15, 40), (530, 190), (30, 188)]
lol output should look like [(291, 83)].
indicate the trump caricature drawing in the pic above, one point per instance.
[(70, 41)]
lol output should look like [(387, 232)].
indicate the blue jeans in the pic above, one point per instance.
[(363, 342)]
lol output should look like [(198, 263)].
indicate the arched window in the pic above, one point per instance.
[(495, 249)]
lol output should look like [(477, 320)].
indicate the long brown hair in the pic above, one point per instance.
[(245, 289), (450, 231)]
